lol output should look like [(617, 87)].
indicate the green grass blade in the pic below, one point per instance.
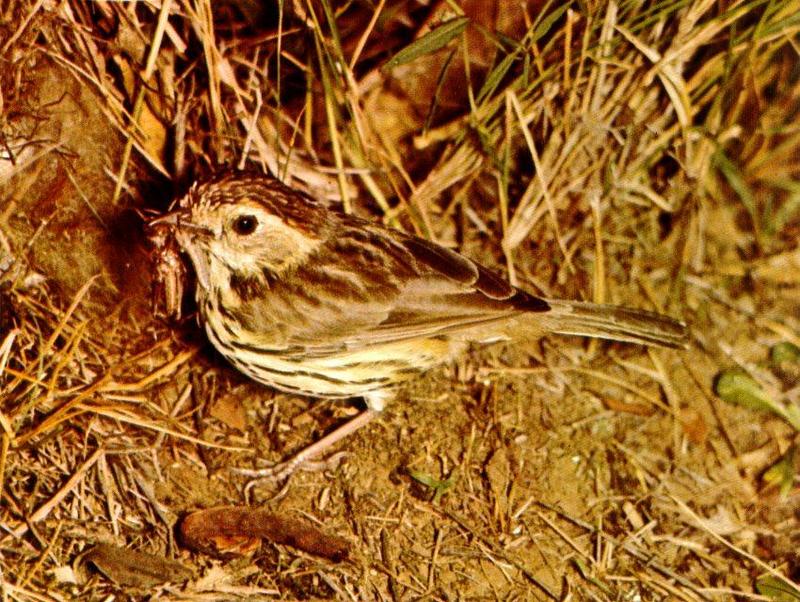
[(430, 42)]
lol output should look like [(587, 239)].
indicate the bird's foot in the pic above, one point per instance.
[(304, 460), (283, 470)]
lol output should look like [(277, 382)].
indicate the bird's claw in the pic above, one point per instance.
[(283, 470)]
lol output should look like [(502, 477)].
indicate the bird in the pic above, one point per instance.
[(308, 299)]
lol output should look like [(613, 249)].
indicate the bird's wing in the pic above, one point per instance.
[(449, 293), (407, 288)]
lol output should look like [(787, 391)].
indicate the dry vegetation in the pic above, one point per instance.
[(640, 153)]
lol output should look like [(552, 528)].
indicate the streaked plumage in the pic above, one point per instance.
[(316, 302)]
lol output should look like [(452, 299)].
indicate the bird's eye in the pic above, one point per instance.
[(245, 224)]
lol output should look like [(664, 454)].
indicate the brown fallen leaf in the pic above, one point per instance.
[(230, 411), (135, 569), (227, 530)]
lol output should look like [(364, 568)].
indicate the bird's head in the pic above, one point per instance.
[(246, 224)]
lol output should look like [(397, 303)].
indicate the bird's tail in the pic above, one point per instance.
[(616, 323)]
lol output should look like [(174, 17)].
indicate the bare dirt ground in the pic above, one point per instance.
[(643, 155)]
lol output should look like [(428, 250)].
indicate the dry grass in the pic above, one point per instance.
[(641, 154)]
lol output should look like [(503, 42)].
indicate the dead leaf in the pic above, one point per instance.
[(135, 569), (233, 528), (229, 410)]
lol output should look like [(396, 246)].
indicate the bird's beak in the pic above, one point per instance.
[(170, 219), (180, 219)]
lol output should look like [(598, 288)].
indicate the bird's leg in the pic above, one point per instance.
[(304, 457)]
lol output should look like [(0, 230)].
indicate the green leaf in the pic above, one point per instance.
[(784, 352), (737, 387), (777, 590), (496, 76), (423, 478), (548, 22), (783, 472), (439, 487), (430, 42)]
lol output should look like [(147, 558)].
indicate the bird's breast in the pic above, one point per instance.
[(330, 371)]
